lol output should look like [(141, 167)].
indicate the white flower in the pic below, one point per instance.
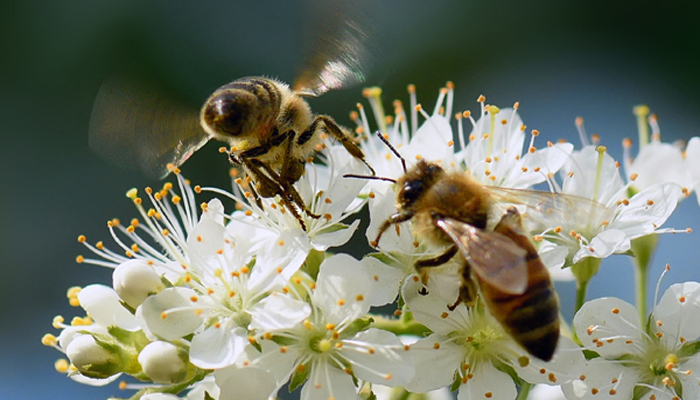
[(134, 281), (470, 347), (494, 154), (658, 161), (606, 225), (328, 346), (657, 361)]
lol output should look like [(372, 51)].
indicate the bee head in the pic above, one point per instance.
[(416, 182)]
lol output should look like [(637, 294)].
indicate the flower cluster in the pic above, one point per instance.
[(210, 303)]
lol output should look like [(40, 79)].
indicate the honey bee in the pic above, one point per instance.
[(452, 209), (269, 126)]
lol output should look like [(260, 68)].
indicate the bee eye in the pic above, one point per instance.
[(411, 191), (228, 113)]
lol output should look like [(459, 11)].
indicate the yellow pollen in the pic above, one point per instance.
[(532, 149), (79, 259), (659, 323), (135, 248), (283, 349), (594, 391), (436, 345), (163, 315), (615, 310), (444, 315), (650, 202), (590, 330), (524, 169), (359, 297), (99, 245), (280, 243), (488, 395), (370, 350), (524, 361), (481, 98), (552, 378), (82, 239), (327, 216), (176, 199), (341, 302), (681, 299), (132, 193), (245, 270), (61, 365), (537, 169), (49, 340), (535, 132), (504, 121)]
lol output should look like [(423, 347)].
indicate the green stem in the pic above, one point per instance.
[(584, 270), (643, 249), (581, 288), (524, 391)]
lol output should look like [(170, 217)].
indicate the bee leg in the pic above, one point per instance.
[(291, 171), (394, 219), (432, 262), (268, 180), (334, 129)]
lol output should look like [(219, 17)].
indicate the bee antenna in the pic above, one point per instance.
[(377, 178), (393, 150)]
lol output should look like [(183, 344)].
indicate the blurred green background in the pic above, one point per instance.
[(595, 59)]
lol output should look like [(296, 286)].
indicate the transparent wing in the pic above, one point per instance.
[(337, 51), (135, 126), (492, 256), (542, 210)]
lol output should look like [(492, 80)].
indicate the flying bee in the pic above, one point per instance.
[(269, 126), (452, 210)]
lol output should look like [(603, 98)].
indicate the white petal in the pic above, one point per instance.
[(102, 305), (169, 314), (538, 165), (677, 311), (553, 257), (692, 159), (334, 237), (430, 141), (277, 312), (658, 162), (245, 383), (598, 383), (604, 244), (584, 165), (205, 240), (610, 327), (135, 280), (431, 309), (217, 347), (328, 382), (546, 392), (487, 382), (566, 365), (341, 292), (93, 382), (389, 363), (436, 360), (284, 254), (159, 396), (385, 281), (639, 217), (380, 208), (691, 388)]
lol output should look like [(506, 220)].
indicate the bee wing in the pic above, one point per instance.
[(337, 52), (546, 210), (137, 127), (494, 257)]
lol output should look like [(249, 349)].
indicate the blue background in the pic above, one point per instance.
[(595, 59)]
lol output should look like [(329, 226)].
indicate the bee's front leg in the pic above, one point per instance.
[(334, 129)]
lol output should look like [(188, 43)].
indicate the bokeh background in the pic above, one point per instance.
[(595, 59)]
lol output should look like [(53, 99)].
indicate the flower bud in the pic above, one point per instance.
[(134, 281), (93, 359), (163, 362)]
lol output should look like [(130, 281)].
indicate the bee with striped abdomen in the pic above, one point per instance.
[(268, 124), (498, 260)]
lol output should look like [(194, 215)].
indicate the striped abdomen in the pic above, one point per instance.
[(531, 318)]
